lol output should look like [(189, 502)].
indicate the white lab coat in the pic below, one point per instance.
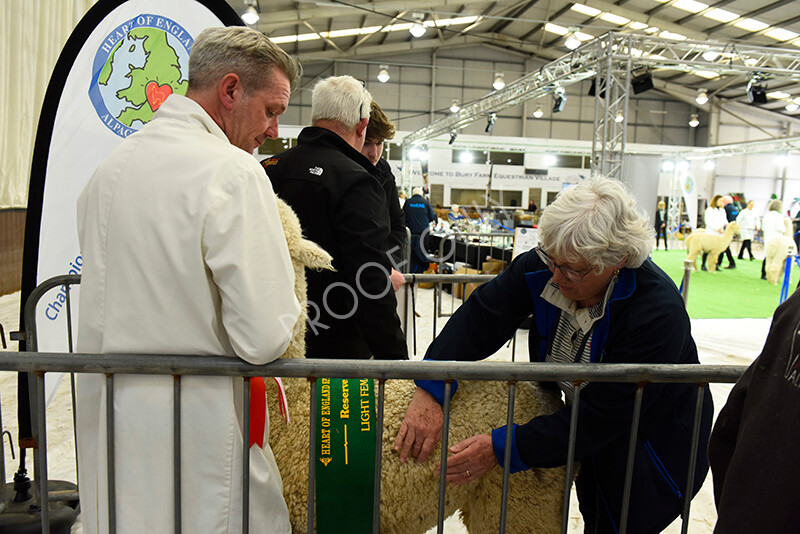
[(183, 253), (772, 225), (715, 220), (748, 223)]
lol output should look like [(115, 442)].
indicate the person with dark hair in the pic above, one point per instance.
[(730, 215), (337, 195), (379, 130), (715, 220), (184, 253)]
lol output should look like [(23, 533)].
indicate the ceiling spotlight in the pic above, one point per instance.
[(559, 99), (454, 107), (418, 29), (710, 55), (251, 14), (572, 42), (490, 120), (498, 82), (620, 117), (538, 113), (383, 74), (756, 92), (781, 160), (694, 120), (453, 135), (549, 160), (643, 81), (702, 97), (708, 164), (792, 106), (668, 165)]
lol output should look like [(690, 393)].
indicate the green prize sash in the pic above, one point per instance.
[(345, 472)]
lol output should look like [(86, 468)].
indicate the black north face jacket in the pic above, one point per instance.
[(342, 207)]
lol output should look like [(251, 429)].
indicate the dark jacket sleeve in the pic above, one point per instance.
[(362, 226), (485, 321), (397, 218), (489, 317), (431, 214), (726, 430)]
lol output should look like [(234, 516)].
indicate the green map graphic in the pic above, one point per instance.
[(161, 66)]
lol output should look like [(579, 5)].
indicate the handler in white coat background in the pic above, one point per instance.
[(184, 253)]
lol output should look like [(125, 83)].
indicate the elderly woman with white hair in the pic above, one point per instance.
[(594, 297), (772, 225)]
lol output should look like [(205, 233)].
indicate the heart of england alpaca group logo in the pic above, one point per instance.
[(137, 66)]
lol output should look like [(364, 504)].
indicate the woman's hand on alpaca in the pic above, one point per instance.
[(471, 459), (421, 428)]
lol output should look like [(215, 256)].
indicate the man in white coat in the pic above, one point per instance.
[(184, 253)]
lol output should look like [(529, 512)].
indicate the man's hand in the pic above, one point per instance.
[(421, 428), (397, 280), (472, 458)]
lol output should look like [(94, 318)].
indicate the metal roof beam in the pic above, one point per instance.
[(751, 14), (280, 19), (624, 49), (647, 19)]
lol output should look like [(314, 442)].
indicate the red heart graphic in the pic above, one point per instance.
[(156, 94)]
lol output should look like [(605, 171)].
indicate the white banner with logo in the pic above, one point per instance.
[(121, 62), (689, 189)]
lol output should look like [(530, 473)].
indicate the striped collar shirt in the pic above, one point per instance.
[(574, 325)]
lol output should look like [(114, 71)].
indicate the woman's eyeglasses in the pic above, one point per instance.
[(571, 274)]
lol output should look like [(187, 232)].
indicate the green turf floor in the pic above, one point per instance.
[(727, 294)]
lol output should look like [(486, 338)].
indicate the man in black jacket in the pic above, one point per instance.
[(336, 193), (419, 215)]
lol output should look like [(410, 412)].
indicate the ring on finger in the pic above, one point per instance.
[(468, 475)]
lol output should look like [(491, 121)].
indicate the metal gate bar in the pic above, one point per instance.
[(178, 366), (376, 497), (112, 494), (312, 448), (626, 493), (443, 467), (512, 391), (176, 451), (692, 457), (245, 455), (573, 432)]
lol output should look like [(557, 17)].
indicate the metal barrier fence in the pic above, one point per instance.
[(39, 364)]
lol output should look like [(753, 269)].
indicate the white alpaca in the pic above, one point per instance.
[(711, 244), (409, 491), (776, 251)]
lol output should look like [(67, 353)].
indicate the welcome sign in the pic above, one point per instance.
[(345, 456)]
